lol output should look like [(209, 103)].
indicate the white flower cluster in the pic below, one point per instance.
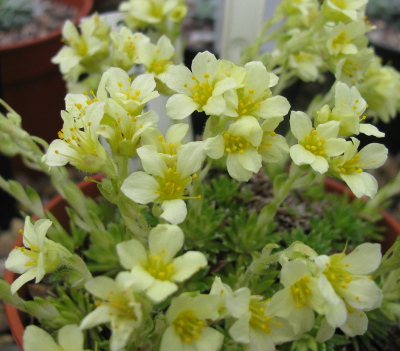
[(94, 48), (337, 287), (315, 37), (150, 297)]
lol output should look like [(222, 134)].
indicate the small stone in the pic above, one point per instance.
[(5, 341)]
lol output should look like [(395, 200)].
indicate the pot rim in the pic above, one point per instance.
[(83, 6)]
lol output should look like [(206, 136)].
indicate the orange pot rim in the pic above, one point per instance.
[(84, 8)]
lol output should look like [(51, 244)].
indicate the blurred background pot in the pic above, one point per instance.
[(31, 84)]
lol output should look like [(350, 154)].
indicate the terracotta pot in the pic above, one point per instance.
[(31, 84), (57, 207)]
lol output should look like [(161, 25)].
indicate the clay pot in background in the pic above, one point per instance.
[(31, 84)]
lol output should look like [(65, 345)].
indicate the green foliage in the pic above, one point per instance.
[(102, 255), (380, 330), (339, 222), (226, 192), (15, 13), (241, 234), (201, 226), (72, 305)]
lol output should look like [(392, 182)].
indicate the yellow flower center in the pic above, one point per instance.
[(267, 141), (168, 148), (158, 268), (156, 9), (301, 292), (258, 319), (340, 3), (130, 94), (338, 276), (82, 49), (188, 326), (172, 186), (158, 67), (247, 103), (202, 91), (314, 143), (32, 253), (129, 47), (79, 140), (235, 144), (340, 40), (353, 165), (120, 304)]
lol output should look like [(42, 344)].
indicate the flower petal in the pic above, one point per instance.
[(276, 106), (215, 105), (175, 211), (99, 316), (180, 106), (160, 290), (236, 170), (240, 330), (301, 156), (142, 279), (320, 164), (176, 132), (204, 63), (131, 253), (364, 259), (210, 340), (334, 146), (177, 77), (16, 261), (293, 271), (36, 339), (171, 337), (166, 240), (325, 331), (190, 158), (151, 160), (238, 302), (363, 294), (21, 280), (250, 160), (215, 147), (101, 286), (373, 155), (370, 129), (300, 124), (188, 264), (70, 338), (140, 187), (356, 324), (120, 335)]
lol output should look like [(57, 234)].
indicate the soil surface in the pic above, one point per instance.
[(46, 17)]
